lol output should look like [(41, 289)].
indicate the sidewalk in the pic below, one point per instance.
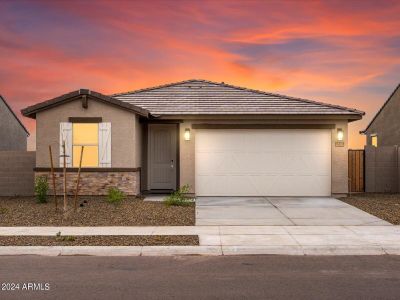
[(226, 240)]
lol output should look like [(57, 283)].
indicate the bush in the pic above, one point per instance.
[(179, 198), (68, 238), (115, 195), (41, 189)]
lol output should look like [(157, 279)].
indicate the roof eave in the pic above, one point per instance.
[(349, 116)]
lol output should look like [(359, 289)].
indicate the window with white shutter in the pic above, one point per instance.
[(96, 139), (105, 144)]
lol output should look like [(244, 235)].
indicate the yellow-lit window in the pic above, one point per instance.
[(374, 140), (85, 134)]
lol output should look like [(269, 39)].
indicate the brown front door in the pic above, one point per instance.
[(162, 156)]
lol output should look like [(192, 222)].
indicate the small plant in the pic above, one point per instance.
[(179, 197), (41, 189), (115, 195), (68, 238)]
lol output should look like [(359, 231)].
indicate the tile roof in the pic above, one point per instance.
[(206, 97)]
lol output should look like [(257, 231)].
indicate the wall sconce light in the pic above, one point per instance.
[(187, 134), (340, 134)]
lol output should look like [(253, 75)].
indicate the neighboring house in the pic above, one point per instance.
[(384, 129), (381, 153), (13, 134), (222, 140)]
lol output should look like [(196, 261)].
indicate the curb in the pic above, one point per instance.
[(194, 250)]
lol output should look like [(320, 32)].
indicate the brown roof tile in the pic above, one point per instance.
[(206, 97)]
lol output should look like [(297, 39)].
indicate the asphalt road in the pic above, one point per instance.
[(236, 277)]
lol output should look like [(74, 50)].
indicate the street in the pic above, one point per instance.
[(195, 277)]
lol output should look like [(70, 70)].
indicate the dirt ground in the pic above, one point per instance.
[(95, 211), (384, 206), (116, 240)]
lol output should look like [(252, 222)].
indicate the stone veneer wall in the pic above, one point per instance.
[(95, 183)]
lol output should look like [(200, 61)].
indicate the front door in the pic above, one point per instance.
[(162, 156)]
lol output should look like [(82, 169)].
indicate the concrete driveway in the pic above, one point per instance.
[(280, 211)]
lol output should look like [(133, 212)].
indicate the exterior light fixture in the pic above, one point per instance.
[(187, 134), (340, 134)]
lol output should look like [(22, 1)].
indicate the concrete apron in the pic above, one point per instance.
[(225, 240), (295, 211)]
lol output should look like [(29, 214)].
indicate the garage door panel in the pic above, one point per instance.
[(211, 163), (224, 185), (212, 143), (263, 162), (259, 163), (261, 185)]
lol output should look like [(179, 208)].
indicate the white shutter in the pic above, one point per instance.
[(66, 135), (105, 145)]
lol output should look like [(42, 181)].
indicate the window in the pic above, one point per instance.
[(85, 134), (374, 140)]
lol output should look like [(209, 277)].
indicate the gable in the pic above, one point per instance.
[(388, 115), (84, 96), (7, 113)]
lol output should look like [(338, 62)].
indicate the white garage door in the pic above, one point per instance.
[(263, 162)]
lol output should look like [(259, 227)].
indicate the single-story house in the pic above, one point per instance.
[(13, 134), (220, 139), (384, 128)]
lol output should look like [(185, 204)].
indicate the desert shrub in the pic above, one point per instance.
[(179, 197), (115, 195), (68, 238), (41, 189)]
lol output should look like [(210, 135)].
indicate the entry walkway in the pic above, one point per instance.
[(294, 211)]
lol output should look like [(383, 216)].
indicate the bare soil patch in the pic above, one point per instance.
[(96, 211), (384, 206), (116, 240)]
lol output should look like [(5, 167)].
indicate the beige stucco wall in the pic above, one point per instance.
[(138, 142), (124, 130), (339, 166), (386, 125)]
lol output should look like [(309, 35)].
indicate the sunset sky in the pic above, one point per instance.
[(340, 52)]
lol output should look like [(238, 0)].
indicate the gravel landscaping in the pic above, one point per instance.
[(96, 211), (384, 206), (116, 240)]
